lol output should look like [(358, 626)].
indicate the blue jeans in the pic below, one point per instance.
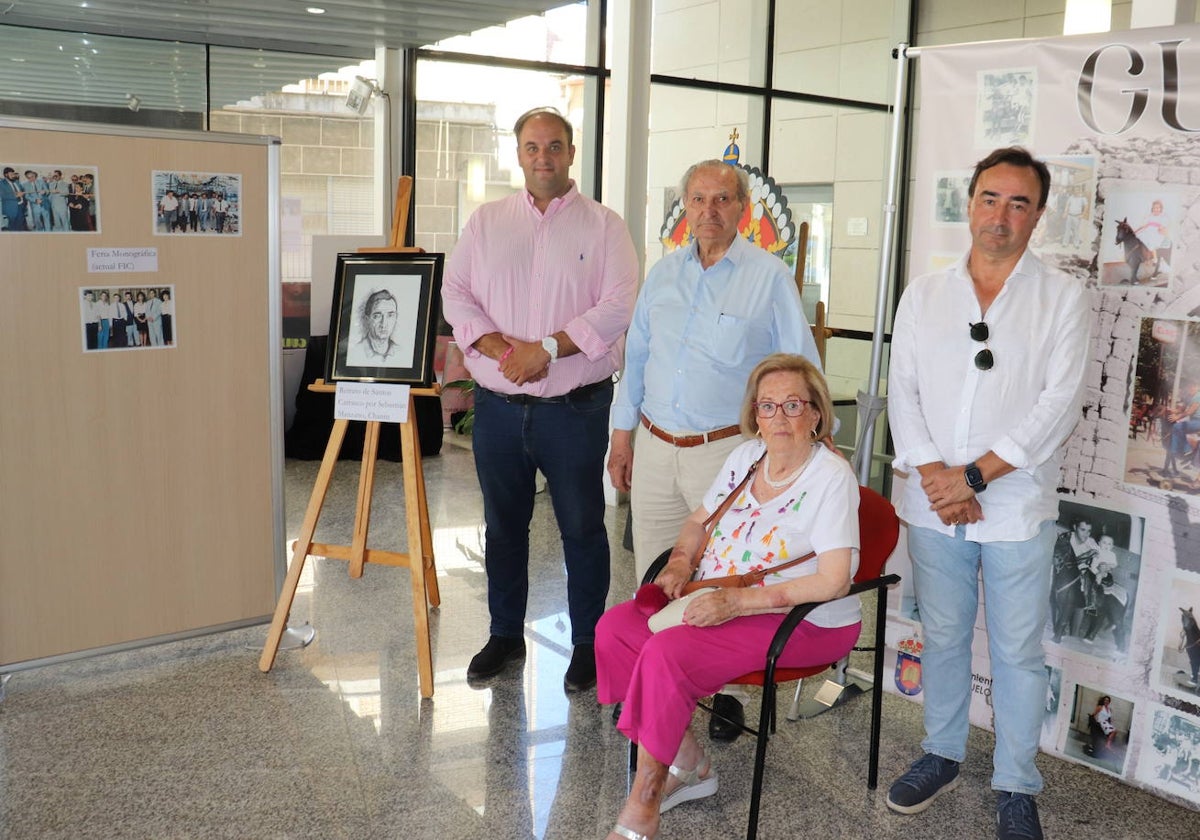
[(1178, 444), (1016, 586), (567, 441)]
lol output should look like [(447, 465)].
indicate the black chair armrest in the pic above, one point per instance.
[(657, 566), (799, 612)]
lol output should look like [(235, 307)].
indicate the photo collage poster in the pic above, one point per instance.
[(1122, 643)]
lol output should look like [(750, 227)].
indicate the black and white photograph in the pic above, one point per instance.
[(1067, 229), (383, 321), (1170, 759), (127, 317), (1098, 733), (1097, 560), (1136, 238), (950, 206), (196, 203), (1177, 669), (1162, 450), (1004, 107), (49, 198)]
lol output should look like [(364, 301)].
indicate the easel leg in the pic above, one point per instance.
[(426, 552), (362, 509), (413, 493), (303, 545)]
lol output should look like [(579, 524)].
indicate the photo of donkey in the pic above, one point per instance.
[(1144, 263), (1177, 660), (1137, 237)]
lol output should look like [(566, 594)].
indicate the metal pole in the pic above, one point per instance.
[(865, 448)]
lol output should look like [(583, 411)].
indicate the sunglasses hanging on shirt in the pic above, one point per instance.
[(983, 359)]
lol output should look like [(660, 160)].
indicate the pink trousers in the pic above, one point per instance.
[(659, 677)]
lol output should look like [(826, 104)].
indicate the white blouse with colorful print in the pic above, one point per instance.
[(817, 512)]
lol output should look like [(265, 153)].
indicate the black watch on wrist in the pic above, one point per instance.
[(975, 478)]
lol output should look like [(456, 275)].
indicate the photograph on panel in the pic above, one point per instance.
[(1169, 759), (1005, 102), (196, 203), (1097, 560), (1138, 235), (1098, 732), (49, 198), (127, 317), (1066, 234), (950, 197), (1054, 682), (1162, 450), (1177, 660)]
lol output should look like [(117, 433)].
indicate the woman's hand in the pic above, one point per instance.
[(675, 575), (713, 608)]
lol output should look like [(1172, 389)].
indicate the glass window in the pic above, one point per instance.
[(327, 179), (98, 78), (812, 204), (559, 35), (838, 48), (723, 41), (466, 152)]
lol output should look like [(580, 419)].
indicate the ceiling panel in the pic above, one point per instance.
[(160, 57), (351, 27)]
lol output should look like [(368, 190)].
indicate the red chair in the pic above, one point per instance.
[(879, 530)]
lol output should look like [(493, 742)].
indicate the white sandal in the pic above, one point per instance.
[(629, 833), (691, 786)]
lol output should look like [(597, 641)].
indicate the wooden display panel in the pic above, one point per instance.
[(139, 489)]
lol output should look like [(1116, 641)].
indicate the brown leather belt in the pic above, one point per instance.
[(685, 441)]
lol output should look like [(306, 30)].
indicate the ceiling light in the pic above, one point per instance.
[(315, 10)]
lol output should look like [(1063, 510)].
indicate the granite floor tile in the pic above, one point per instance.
[(190, 740)]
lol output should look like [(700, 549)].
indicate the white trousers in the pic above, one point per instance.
[(669, 482)]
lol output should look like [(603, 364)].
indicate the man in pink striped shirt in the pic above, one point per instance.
[(540, 290)]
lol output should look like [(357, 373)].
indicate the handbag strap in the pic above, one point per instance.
[(753, 577), (721, 510)]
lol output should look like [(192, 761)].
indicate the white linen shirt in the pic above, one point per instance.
[(942, 408)]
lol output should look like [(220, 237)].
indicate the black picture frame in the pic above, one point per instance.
[(399, 295)]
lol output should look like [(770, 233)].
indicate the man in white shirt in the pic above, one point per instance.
[(986, 384)]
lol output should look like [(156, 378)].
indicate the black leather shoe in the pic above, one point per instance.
[(581, 673), (727, 709), (498, 652)]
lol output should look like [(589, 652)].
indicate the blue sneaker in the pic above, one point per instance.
[(1017, 817), (929, 776)]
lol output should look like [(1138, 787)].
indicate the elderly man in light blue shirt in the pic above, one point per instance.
[(706, 315)]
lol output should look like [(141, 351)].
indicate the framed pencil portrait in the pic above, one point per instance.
[(383, 322)]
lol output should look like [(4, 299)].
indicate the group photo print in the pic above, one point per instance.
[(49, 198), (127, 317)]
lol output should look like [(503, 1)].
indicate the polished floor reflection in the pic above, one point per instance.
[(190, 740)]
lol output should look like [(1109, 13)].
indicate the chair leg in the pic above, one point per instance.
[(877, 692), (765, 716)]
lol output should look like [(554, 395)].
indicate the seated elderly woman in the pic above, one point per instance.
[(801, 499)]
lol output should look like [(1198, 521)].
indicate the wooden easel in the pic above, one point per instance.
[(419, 557)]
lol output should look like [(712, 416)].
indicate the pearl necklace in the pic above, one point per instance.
[(786, 480)]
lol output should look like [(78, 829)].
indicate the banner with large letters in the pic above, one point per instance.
[(1116, 117)]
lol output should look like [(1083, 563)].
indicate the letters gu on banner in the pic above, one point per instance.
[(1116, 117)]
